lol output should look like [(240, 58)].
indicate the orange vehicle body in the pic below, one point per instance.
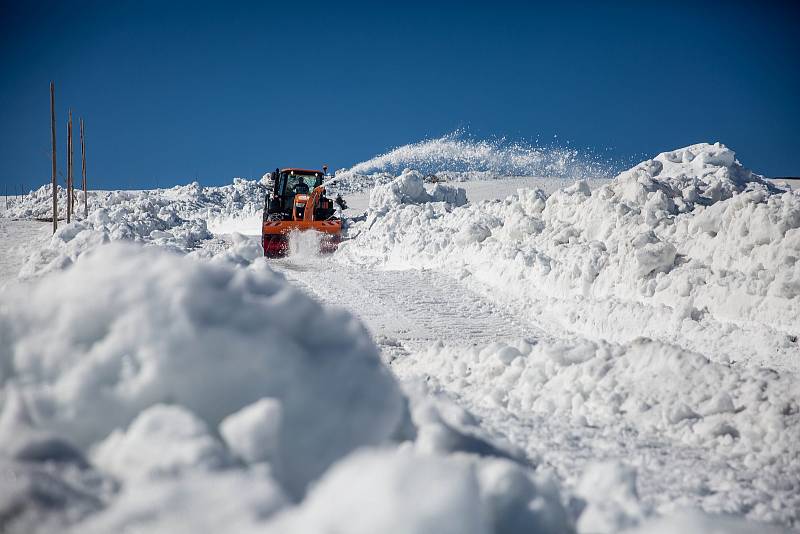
[(275, 233)]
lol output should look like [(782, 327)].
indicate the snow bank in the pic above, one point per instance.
[(409, 188), (741, 414), (181, 394), (241, 196), (144, 216), (681, 248), (176, 218), (89, 363), (38, 204)]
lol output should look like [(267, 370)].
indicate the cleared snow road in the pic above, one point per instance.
[(406, 310)]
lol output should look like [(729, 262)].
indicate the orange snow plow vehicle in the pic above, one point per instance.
[(297, 202)]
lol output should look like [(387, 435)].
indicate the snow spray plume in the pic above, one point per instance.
[(458, 153), (304, 244)]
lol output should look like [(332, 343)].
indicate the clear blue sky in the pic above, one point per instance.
[(175, 91)]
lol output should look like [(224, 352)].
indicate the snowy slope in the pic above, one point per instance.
[(557, 361)]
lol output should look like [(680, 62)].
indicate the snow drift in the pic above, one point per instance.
[(652, 386), (685, 248), (90, 362), (409, 188), (176, 218), (749, 417), (240, 196), (84, 364)]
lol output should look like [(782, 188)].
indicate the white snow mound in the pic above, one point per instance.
[(409, 188), (398, 491), (678, 248), (129, 328), (178, 219), (748, 416)]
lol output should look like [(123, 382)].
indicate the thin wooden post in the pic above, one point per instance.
[(83, 170), (69, 167), (53, 136)]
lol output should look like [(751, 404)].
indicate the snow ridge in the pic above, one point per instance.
[(679, 248)]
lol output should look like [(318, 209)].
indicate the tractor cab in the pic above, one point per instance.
[(283, 204)]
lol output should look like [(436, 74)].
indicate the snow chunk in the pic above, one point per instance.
[(518, 502), (612, 502), (402, 491), (252, 432), (197, 502), (212, 338), (409, 188), (443, 427), (387, 491), (163, 440)]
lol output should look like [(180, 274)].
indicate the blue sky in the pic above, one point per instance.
[(175, 91)]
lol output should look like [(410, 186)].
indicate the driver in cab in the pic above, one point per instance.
[(301, 187)]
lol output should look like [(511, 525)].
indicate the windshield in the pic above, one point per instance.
[(301, 183)]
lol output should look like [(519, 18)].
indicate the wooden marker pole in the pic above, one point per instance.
[(69, 167), (54, 182), (83, 170)]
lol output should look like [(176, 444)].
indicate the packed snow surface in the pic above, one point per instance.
[(616, 355)]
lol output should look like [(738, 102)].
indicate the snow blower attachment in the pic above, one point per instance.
[(297, 202)]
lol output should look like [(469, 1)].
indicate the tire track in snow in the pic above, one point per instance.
[(407, 308)]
